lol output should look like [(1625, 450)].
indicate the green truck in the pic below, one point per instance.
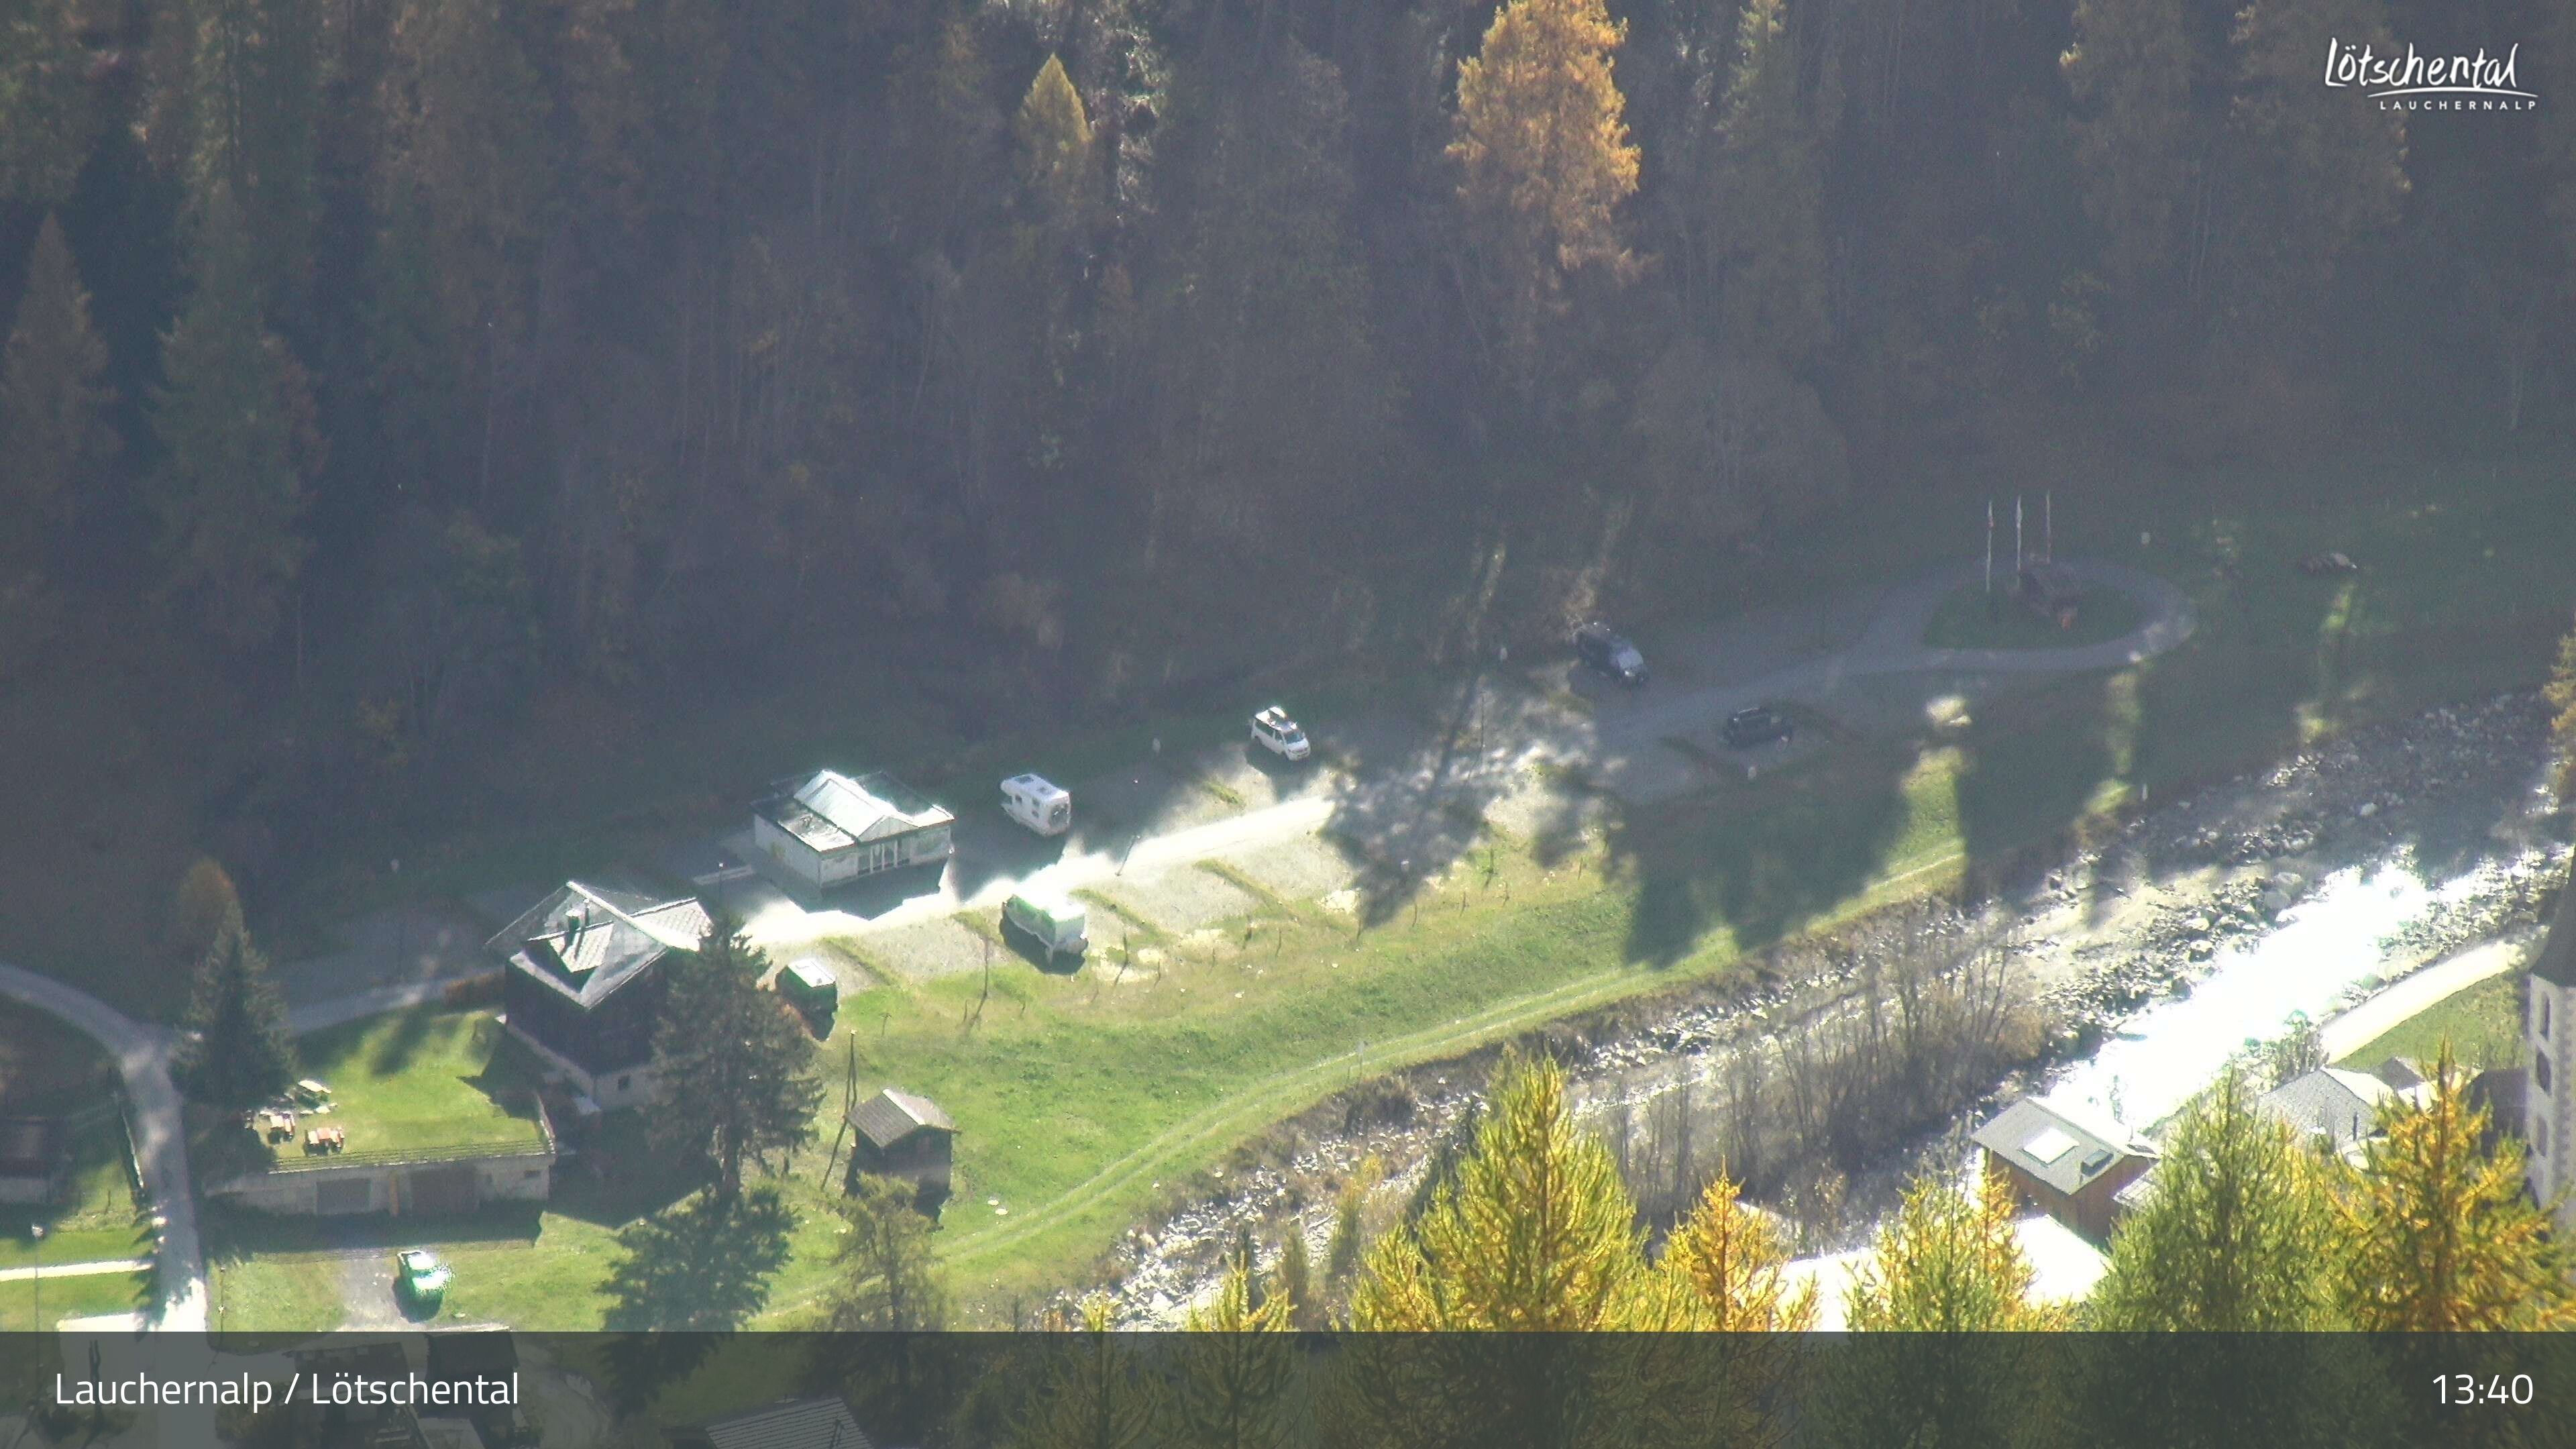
[(1054, 921), (810, 987)]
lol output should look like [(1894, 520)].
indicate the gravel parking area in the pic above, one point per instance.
[(1298, 870), (923, 952), (1181, 900)]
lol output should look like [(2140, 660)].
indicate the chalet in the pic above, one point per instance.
[(904, 1136), (35, 1160), (827, 828), (583, 988), (2064, 1160), (2336, 1106), (819, 1423)]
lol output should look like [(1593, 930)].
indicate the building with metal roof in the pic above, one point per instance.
[(827, 828), (2065, 1160), (582, 985), (2335, 1104)]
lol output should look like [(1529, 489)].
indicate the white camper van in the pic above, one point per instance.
[(1052, 920), (1040, 806)]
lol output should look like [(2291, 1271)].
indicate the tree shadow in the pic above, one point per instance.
[(699, 1267), (619, 1177)]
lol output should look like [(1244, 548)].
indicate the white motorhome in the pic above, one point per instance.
[(1042, 807)]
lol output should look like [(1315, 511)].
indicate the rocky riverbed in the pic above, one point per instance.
[(2111, 930)]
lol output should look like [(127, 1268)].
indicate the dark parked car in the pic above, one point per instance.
[(1759, 725), (1603, 649)]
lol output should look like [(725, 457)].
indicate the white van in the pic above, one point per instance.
[(1038, 805), (1052, 920)]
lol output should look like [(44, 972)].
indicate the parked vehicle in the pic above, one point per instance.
[(1756, 726), (419, 1278), (809, 986), (1042, 807), (1274, 731), (1056, 922), (1604, 649)]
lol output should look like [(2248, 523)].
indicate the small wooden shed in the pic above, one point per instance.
[(904, 1136)]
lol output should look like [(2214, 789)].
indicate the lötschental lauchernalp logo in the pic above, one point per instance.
[(2413, 82)]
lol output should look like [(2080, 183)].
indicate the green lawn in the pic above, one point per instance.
[(63, 1298), (2483, 1025), (424, 1080)]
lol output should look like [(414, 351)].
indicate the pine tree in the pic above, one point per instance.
[(251, 102), (1537, 1233), (1295, 1280), (234, 1051), (45, 108), (1732, 1257), (1947, 1262), (2237, 1235), (887, 1283), (467, 124), (736, 1054), (53, 435), (1769, 203), (1232, 1386), (1545, 160), (235, 422), (2438, 1235), (1096, 1394), (2130, 72), (1053, 137)]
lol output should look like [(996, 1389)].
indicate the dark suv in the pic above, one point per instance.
[(1759, 725), (1603, 649)]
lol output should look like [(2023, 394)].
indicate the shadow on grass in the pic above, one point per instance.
[(394, 1052), (701, 1266)]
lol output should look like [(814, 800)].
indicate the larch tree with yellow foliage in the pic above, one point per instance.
[(1237, 1372), (1542, 145), (2439, 1236), (1948, 1262), (1735, 1262)]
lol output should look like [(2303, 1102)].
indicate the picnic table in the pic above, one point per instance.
[(326, 1139), (277, 1125)]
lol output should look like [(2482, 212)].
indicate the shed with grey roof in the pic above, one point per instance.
[(2065, 1160), (901, 1135), (827, 828)]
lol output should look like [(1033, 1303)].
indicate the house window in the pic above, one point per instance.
[(2540, 1069), (2542, 996), (531, 1175), (624, 1082)]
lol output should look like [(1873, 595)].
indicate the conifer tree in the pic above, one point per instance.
[(53, 435), (1096, 1394), (234, 1050), (2237, 1235), (1732, 1257), (235, 423), (1295, 1280), (45, 108), (2130, 73), (250, 104), (2438, 1235), (1053, 137), (1948, 1262), (887, 1283), (1233, 1384), (1770, 196), (1543, 150), (736, 1054), (1536, 1234)]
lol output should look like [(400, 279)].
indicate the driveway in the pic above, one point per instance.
[(142, 1055)]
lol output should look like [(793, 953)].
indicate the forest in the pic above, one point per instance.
[(391, 382)]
